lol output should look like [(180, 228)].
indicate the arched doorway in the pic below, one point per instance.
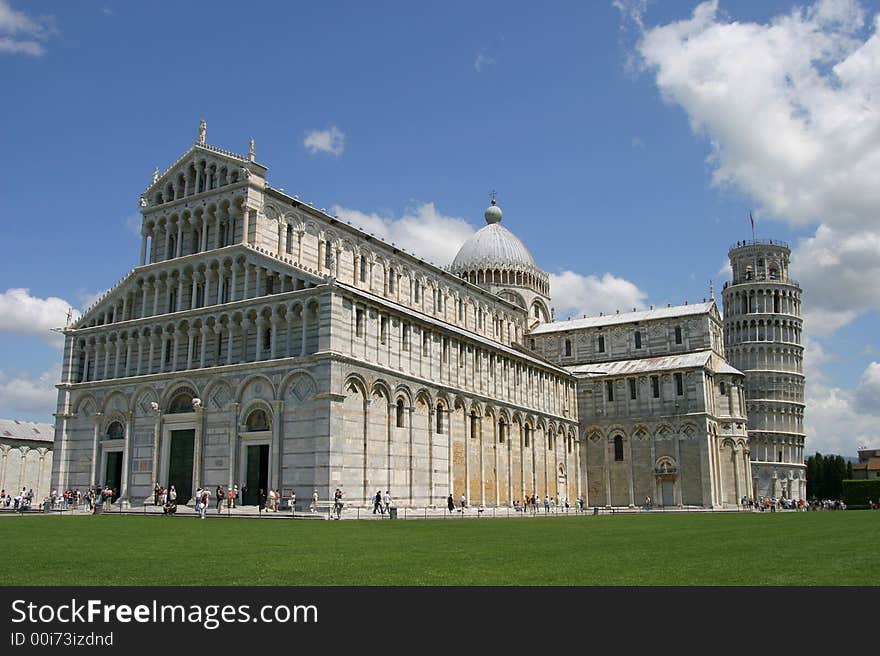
[(256, 440), (113, 447)]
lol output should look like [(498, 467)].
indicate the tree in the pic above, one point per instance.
[(825, 475)]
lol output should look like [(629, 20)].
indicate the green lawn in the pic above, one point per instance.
[(817, 548)]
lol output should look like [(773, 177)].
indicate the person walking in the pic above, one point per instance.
[(314, 506), (220, 496), (292, 501), (450, 504), (337, 503), (386, 500), (203, 505), (463, 502), (377, 503)]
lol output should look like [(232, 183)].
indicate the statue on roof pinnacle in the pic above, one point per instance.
[(203, 131)]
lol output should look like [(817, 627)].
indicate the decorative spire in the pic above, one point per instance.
[(203, 131), (251, 153), (155, 174), (493, 213), (711, 290)]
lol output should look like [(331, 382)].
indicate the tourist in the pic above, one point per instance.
[(261, 500), (203, 503), (463, 502), (271, 505), (546, 504), (235, 493), (377, 503), (229, 498), (198, 507), (314, 506), (337, 503), (386, 499), (220, 495), (156, 491), (292, 501), (450, 504)]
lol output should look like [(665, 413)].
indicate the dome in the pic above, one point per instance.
[(494, 246)]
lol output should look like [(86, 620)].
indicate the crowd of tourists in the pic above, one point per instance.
[(93, 499)]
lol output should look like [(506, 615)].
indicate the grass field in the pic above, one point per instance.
[(818, 548)]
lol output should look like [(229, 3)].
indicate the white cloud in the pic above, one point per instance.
[(421, 230), (24, 314), (791, 111), (576, 294), (25, 394), (482, 61), (22, 34), (868, 391), (133, 223), (331, 140)]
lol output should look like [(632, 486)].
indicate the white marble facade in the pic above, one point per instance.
[(261, 341)]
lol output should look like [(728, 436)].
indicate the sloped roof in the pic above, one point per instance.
[(695, 360), (625, 317), (26, 430)]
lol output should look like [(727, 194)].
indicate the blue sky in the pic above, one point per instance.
[(627, 142)]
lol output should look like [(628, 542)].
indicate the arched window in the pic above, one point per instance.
[(400, 421), (527, 436), (439, 418), (289, 248), (115, 431), (618, 448), (501, 431), (257, 421), (182, 402), (475, 426), (391, 280)]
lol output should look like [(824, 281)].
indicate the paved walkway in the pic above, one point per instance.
[(366, 513)]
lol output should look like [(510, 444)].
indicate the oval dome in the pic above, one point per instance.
[(494, 246)]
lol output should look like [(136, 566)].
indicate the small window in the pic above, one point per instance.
[(601, 343), (400, 420), (501, 428), (632, 388), (679, 384), (270, 284), (460, 356), (655, 386), (383, 330), (404, 336), (780, 456), (267, 339), (618, 448), (460, 310), (638, 339), (359, 323), (115, 431), (392, 279), (363, 268), (609, 390), (257, 421), (531, 343), (418, 292), (425, 342), (722, 389), (568, 347), (328, 255), (527, 436), (475, 427), (678, 334), (439, 418), (289, 239)]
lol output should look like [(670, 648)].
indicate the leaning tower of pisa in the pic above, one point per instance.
[(763, 339)]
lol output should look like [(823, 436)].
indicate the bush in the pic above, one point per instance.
[(857, 492)]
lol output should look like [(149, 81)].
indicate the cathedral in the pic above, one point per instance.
[(264, 343)]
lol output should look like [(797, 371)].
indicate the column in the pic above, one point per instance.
[(259, 290), (140, 348), (409, 469), (522, 461), (302, 349), (736, 476), (144, 299), (127, 371), (175, 340), (106, 361), (118, 357), (247, 275), (189, 351), (273, 347), (275, 464), (196, 275), (233, 442), (258, 347), (197, 447), (608, 446), (153, 341), (94, 465), (205, 331), (229, 342), (179, 245), (124, 306), (156, 297), (245, 228), (632, 495), (208, 276), (449, 418), (143, 247), (157, 433), (203, 245), (123, 488), (680, 477)]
